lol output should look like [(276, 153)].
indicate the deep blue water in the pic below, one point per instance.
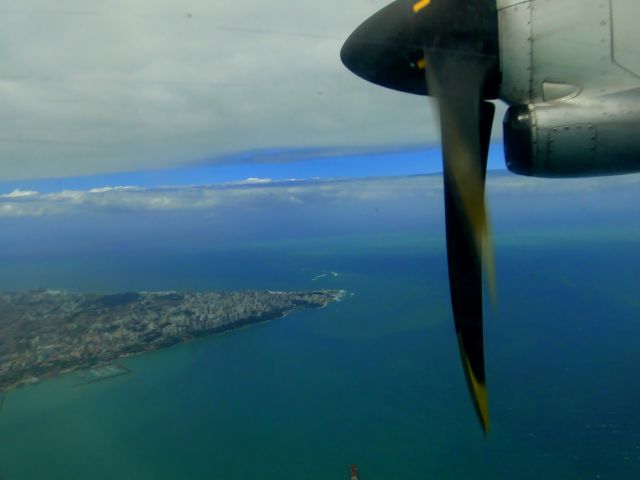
[(373, 380)]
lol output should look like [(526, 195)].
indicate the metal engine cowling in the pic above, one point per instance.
[(572, 140)]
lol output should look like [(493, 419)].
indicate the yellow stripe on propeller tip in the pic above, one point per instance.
[(478, 390), (420, 5), (421, 64)]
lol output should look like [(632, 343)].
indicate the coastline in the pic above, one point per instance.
[(120, 371), (169, 342), (222, 330), (79, 368)]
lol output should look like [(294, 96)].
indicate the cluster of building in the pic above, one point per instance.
[(43, 333)]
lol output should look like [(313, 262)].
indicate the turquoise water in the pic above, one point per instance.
[(372, 380)]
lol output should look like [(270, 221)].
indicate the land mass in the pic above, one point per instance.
[(44, 333)]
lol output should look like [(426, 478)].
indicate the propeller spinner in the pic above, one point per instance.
[(447, 49)]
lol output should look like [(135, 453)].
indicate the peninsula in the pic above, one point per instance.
[(44, 333)]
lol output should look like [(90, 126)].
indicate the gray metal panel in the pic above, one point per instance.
[(592, 45), (559, 91), (509, 3), (571, 44), (626, 36), (586, 139), (573, 147), (515, 53)]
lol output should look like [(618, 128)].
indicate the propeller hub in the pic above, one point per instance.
[(389, 48)]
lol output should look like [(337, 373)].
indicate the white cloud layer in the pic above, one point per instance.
[(17, 193), (258, 194), (505, 191), (89, 86)]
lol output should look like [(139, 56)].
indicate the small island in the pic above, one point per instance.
[(45, 333)]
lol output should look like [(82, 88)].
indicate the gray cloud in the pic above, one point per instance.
[(89, 87)]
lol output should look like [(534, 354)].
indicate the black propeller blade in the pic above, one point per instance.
[(447, 49)]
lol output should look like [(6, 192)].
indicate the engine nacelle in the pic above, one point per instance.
[(573, 140)]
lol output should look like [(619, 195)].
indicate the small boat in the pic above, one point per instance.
[(353, 472)]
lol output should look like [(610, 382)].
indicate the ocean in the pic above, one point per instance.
[(373, 380)]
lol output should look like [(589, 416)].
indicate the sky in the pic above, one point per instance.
[(143, 219), (384, 163), (204, 122), (91, 88), (520, 196)]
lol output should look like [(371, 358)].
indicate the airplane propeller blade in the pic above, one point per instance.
[(447, 49), (466, 123)]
